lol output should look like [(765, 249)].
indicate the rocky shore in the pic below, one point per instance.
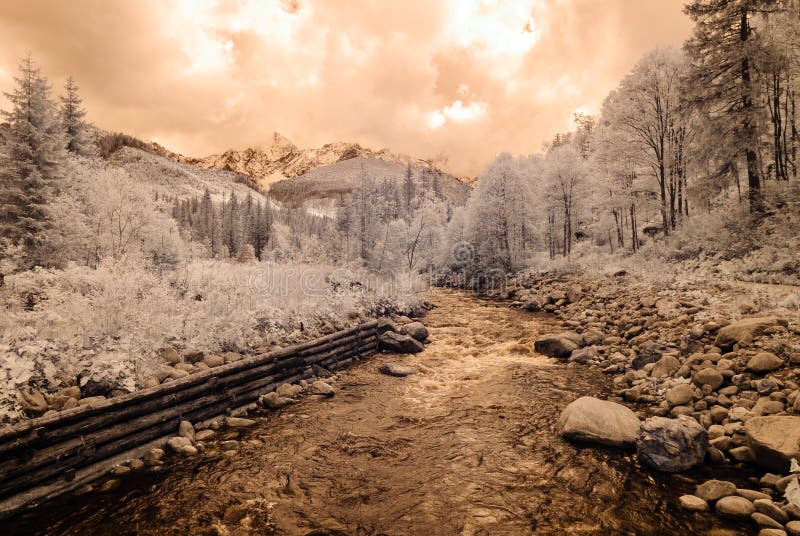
[(702, 375)]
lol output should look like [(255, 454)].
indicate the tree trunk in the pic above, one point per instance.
[(755, 195)]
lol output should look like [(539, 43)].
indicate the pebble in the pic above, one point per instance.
[(111, 484), (793, 528), (177, 443), (767, 507), (239, 422), (185, 429), (394, 369), (204, 435), (693, 503), (752, 495), (763, 520)]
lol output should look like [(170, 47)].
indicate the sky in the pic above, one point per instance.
[(456, 80)]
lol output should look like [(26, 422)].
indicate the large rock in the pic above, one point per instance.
[(671, 445), (321, 388), (764, 362), (744, 331), (599, 421), (680, 395), (774, 441), (665, 367), (708, 376), (735, 507), (416, 330), (649, 352), (557, 345), (32, 401), (400, 343), (714, 490)]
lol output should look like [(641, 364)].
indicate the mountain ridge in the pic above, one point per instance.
[(282, 159)]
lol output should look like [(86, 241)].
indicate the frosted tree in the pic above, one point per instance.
[(32, 157), (647, 107), (723, 50), (72, 117), (566, 174), (498, 221)]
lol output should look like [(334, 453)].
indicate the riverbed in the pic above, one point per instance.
[(467, 446)]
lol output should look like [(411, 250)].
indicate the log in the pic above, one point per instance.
[(115, 415), (80, 412), (155, 413)]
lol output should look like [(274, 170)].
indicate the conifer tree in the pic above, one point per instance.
[(32, 157), (72, 120)]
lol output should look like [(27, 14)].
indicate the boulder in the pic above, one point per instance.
[(176, 444), (214, 360), (32, 401), (386, 324), (714, 490), (584, 355), (557, 345), (289, 390), (599, 421), (321, 388), (185, 429), (273, 401), (744, 331), (671, 445), (649, 352), (774, 440), (708, 376), (169, 355), (574, 293), (666, 366), (416, 330), (680, 395), (399, 343), (764, 362), (534, 304), (735, 507), (394, 369)]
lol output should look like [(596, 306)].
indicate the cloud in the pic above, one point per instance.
[(207, 75)]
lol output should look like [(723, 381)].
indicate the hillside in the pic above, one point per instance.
[(281, 159), (328, 182)]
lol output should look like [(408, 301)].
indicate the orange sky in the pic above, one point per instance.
[(461, 78)]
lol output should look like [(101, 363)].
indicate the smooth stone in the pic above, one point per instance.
[(714, 490), (394, 369), (735, 507), (599, 421), (693, 503)]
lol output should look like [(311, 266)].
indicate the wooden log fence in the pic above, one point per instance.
[(43, 457)]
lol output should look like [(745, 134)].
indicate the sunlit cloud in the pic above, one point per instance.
[(457, 112), (463, 78), (500, 31)]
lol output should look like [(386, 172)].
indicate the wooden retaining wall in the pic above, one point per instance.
[(41, 458)]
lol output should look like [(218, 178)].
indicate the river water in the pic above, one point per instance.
[(468, 446)]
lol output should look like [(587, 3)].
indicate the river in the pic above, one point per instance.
[(467, 446)]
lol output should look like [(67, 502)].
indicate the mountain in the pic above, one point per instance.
[(322, 186), (282, 159)]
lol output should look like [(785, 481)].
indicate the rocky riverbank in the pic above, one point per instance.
[(711, 371)]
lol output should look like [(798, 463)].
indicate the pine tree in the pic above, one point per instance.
[(33, 154), (409, 189), (723, 50), (72, 120)]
